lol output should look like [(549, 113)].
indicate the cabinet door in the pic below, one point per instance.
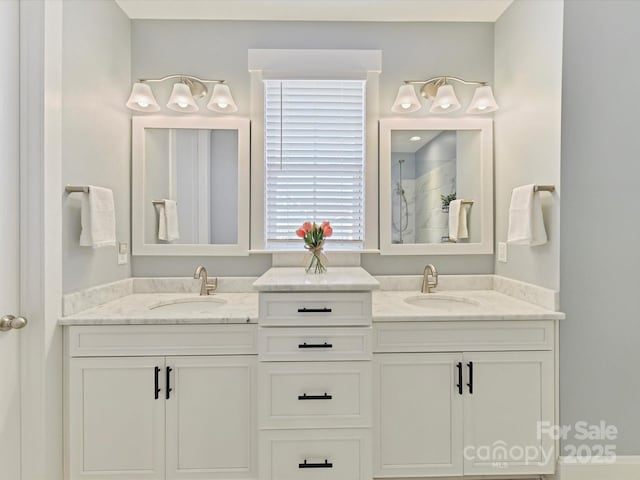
[(211, 418), (512, 392), (418, 415), (116, 425)]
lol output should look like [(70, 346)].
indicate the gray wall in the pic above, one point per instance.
[(600, 259), (96, 129), (214, 49), (528, 86)]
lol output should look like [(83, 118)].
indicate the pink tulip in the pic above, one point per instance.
[(327, 231), (307, 226), (301, 233)]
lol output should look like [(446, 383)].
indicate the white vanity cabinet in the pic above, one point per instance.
[(168, 415), (451, 401), (315, 383)]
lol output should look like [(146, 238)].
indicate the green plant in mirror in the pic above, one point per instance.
[(447, 199)]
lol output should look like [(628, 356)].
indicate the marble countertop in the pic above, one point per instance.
[(388, 306), (452, 305), (137, 309), (336, 279)]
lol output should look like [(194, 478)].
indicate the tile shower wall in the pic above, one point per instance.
[(436, 176)]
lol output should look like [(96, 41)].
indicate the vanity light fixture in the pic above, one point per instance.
[(444, 96), (415, 138), (183, 95)]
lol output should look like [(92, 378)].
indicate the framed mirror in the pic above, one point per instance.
[(426, 164), (190, 186)]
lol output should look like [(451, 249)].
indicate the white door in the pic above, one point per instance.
[(509, 394), (10, 412), (211, 418), (116, 418), (418, 415)]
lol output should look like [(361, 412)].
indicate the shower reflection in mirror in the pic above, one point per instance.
[(423, 175), (400, 211)]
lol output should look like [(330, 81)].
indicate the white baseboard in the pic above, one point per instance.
[(623, 468)]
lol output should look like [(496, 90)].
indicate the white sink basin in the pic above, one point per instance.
[(195, 305), (441, 302)]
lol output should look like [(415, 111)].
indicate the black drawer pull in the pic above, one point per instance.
[(470, 384), (169, 389), (304, 396), (459, 384), (315, 345), (156, 382), (326, 464), (314, 310)]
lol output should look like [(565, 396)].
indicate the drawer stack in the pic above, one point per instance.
[(315, 373)]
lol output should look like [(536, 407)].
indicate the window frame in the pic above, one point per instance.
[(314, 64)]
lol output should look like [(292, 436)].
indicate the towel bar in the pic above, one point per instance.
[(158, 202), (76, 189), (544, 188)]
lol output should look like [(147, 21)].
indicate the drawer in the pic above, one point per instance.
[(137, 340), (315, 343), (315, 395), (315, 308), (315, 455), (462, 336)]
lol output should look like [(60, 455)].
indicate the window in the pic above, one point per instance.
[(315, 155)]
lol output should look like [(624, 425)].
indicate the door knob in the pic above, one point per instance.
[(9, 322)]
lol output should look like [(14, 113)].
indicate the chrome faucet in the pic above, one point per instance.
[(426, 284), (206, 287)]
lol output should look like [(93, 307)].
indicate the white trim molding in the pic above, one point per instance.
[(315, 63), (41, 237), (622, 468)]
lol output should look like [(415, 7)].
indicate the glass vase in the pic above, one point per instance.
[(316, 262)]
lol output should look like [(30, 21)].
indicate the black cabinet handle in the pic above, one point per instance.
[(470, 384), (156, 382), (169, 389), (315, 345), (314, 310), (304, 396), (326, 464), (459, 384)]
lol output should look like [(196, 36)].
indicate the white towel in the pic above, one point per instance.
[(526, 225), (98, 218), (168, 223), (458, 220)]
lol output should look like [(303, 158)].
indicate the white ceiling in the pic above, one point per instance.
[(401, 143), (319, 10)]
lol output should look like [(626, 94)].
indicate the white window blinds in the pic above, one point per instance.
[(314, 154)]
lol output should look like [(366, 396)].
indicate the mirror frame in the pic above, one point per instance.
[(485, 246), (139, 209)]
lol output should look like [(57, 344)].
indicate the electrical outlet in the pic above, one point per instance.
[(123, 253), (502, 252)]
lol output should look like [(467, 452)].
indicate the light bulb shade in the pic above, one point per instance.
[(482, 101), (406, 101), (142, 99), (445, 100), (181, 99), (222, 100)]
